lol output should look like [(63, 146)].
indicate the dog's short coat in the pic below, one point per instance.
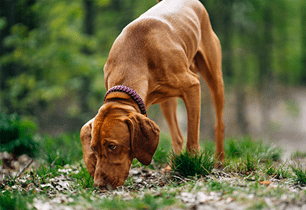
[(158, 55)]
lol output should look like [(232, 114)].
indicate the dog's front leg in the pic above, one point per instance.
[(192, 100), (169, 111)]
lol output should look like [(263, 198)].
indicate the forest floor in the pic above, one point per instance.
[(244, 183)]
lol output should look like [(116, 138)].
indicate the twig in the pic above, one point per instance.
[(24, 168), (178, 177)]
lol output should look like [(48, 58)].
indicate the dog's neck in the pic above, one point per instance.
[(132, 93), (122, 98)]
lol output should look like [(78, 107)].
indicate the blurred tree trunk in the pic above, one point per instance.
[(89, 20)]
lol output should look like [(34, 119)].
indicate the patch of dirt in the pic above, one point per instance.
[(144, 179)]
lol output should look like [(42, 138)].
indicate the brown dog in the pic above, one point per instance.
[(156, 58)]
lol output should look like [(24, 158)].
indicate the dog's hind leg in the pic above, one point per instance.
[(208, 62), (169, 111)]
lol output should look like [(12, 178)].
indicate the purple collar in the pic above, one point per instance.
[(130, 92)]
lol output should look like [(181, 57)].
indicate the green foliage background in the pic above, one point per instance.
[(52, 52), (17, 136)]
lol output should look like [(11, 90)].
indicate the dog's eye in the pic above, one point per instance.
[(112, 147), (93, 149)]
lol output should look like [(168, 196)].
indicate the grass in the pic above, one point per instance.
[(249, 168), (240, 147), (192, 164), (298, 154), (148, 201), (300, 174), (83, 178), (61, 150), (12, 201)]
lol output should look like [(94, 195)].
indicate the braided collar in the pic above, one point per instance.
[(130, 92)]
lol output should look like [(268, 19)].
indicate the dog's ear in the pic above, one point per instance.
[(144, 137), (89, 156)]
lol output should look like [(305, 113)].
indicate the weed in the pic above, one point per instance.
[(192, 164), (300, 174)]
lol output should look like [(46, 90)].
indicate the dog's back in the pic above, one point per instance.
[(168, 32), (177, 20)]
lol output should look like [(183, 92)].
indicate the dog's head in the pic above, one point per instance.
[(117, 135)]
